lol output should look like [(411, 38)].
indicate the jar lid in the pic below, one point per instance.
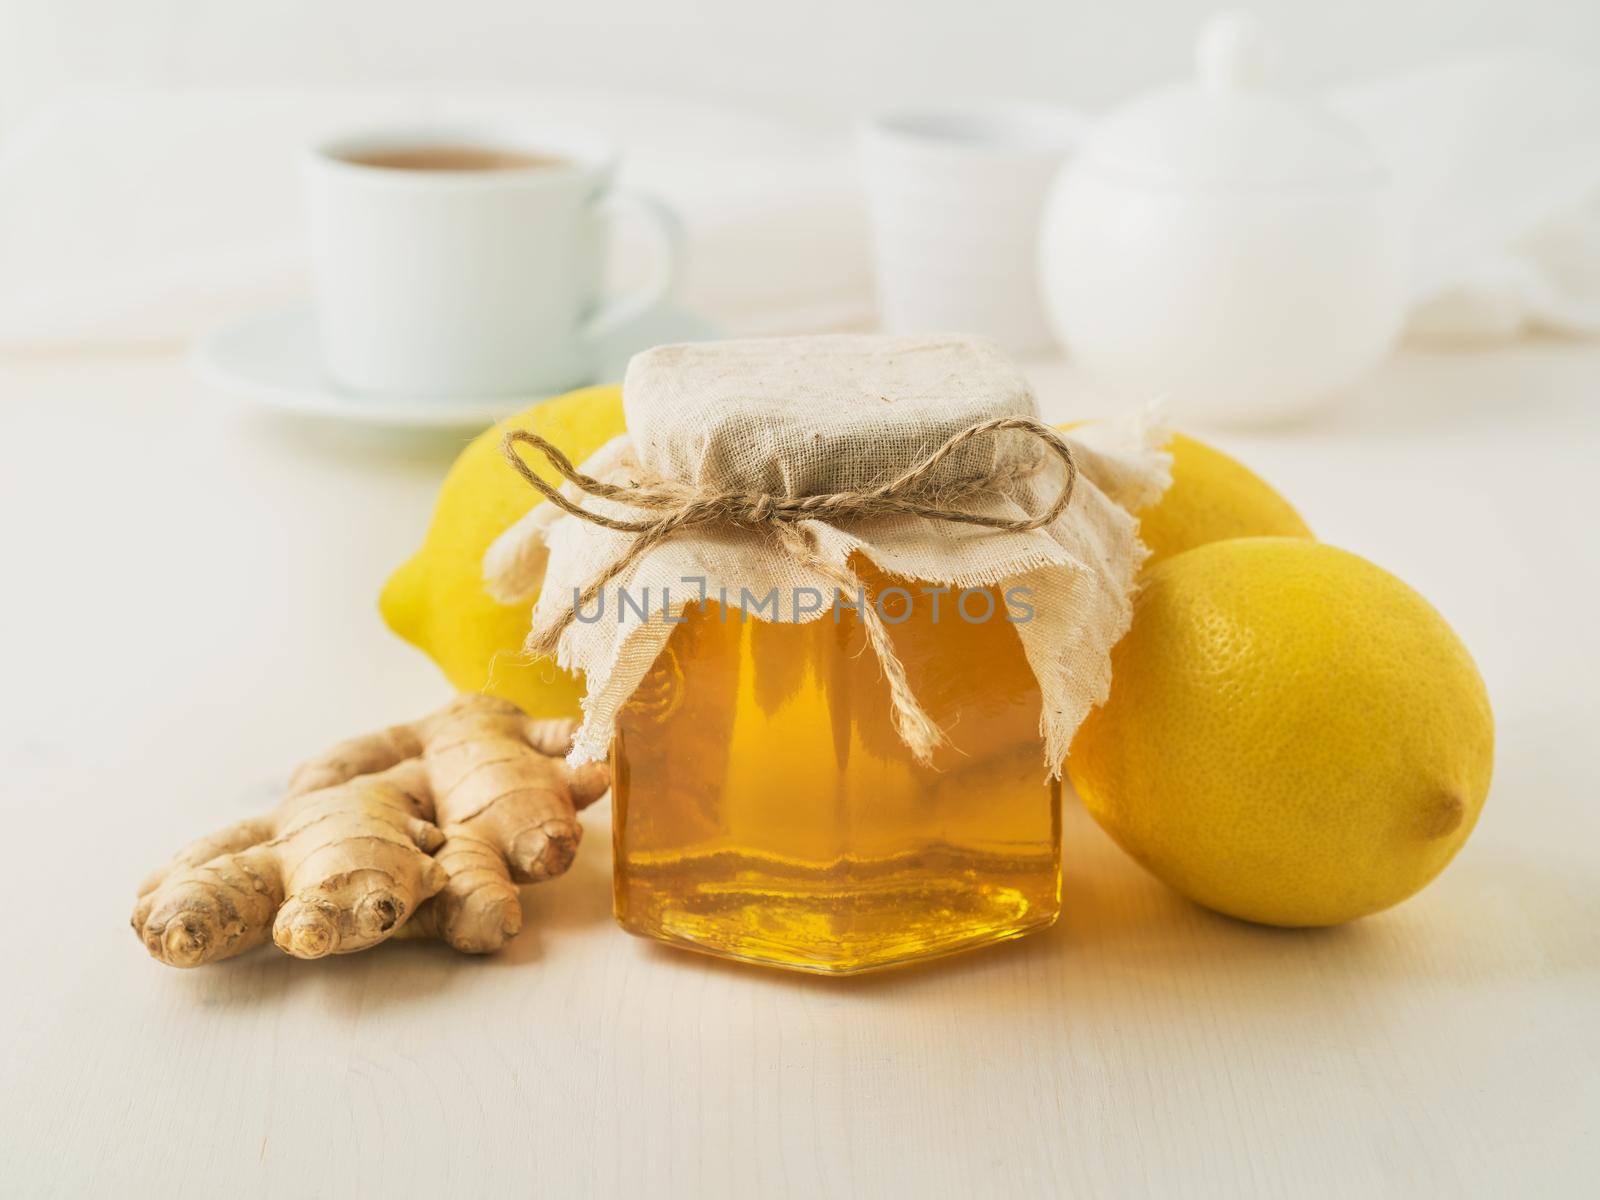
[(1230, 127)]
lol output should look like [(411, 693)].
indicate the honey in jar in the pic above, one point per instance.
[(767, 810)]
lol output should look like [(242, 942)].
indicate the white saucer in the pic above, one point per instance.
[(273, 359)]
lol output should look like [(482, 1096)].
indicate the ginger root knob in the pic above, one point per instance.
[(416, 830)]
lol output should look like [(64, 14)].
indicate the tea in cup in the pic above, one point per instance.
[(469, 263)]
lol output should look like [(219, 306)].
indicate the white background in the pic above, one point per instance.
[(828, 58)]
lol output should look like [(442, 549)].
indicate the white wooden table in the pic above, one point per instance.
[(188, 607)]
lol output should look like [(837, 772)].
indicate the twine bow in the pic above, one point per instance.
[(681, 507)]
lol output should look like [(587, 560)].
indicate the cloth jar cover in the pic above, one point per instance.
[(795, 417)]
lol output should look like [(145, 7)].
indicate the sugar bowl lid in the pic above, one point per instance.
[(1230, 127)]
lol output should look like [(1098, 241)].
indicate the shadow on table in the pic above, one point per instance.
[(1491, 918), (401, 972)]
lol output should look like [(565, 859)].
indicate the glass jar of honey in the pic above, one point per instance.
[(868, 777), (767, 810)]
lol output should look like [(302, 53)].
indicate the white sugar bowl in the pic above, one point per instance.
[(1223, 247)]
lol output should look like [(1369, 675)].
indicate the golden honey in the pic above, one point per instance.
[(766, 809)]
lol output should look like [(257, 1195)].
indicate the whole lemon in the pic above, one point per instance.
[(1213, 497), (1293, 735), (436, 599)]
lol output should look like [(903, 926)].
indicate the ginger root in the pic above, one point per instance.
[(419, 830)]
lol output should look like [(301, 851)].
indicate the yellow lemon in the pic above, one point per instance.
[(436, 599), (1293, 735), (1213, 497)]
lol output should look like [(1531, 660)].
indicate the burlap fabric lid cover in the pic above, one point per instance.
[(797, 417)]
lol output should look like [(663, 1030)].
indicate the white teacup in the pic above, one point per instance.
[(956, 197), (459, 262)]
